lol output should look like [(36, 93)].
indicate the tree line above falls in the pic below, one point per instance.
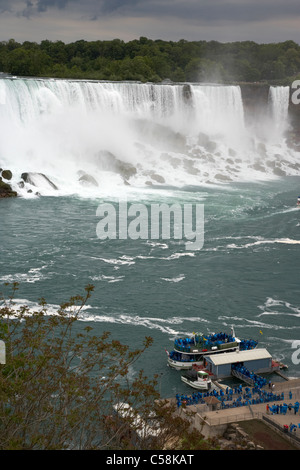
[(145, 60)]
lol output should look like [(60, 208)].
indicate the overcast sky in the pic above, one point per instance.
[(262, 21)]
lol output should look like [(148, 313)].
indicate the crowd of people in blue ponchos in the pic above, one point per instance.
[(208, 341), (239, 396), (283, 408), (252, 396), (256, 380), (231, 397), (247, 344)]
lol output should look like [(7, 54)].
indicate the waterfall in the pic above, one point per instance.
[(94, 137), (279, 97), (219, 109), (26, 100)]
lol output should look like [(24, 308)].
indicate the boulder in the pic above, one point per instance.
[(125, 169), (161, 136), (223, 178), (88, 180), (258, 167), (32, 178), (279, 172), (110, 162), (187, 92), (6, 174), (155, 177), (250, 445)]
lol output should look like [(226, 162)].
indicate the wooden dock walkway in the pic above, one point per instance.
[(216, 420), (233, 414)]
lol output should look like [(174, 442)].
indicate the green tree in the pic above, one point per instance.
[(135, 69), (144, 59), (25, 61), (61, 382), (114, 49)]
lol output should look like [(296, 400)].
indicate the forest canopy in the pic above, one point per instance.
[(145, 60)]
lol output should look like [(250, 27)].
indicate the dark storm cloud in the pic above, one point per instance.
[(261, 20), (203, 10), (5, 5), (212, 11), (114, 6), (43, 5)]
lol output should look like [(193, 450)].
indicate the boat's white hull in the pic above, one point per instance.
[(185, 365), (178, 365), (197, 384)]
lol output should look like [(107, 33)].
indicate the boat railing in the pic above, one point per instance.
[(188, 349), (233, 418), (203, 347)]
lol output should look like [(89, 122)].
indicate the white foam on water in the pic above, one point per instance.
[(89, 313), (174, 279), (32, 276), (262, 241), (109, 279), (240, 322), (126, 260), (34, 307), (279, 308)]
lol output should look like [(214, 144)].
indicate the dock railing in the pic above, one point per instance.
[(242, 377), (232, 418), (292, 435)]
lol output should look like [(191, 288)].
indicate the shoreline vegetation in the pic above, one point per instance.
[(67, 389), (148, 60)]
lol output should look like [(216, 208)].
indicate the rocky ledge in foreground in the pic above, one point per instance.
[(5, 188)]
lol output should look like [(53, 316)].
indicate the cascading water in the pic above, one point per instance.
[(279, 103), (91, 137)]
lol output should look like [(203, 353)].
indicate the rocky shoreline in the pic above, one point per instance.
[(31, 180), (5, 188), (27, 179)]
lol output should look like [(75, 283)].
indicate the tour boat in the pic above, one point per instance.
[(197, 379), (191, 350)]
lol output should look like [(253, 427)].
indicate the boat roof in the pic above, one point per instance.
[(239, 356)]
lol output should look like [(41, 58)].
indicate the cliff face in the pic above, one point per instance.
[(255, 101), (294, 117)]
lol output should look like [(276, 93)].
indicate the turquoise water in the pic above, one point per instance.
[(246, 274)]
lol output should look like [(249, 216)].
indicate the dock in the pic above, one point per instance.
[(212, 420), (281, 374)]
